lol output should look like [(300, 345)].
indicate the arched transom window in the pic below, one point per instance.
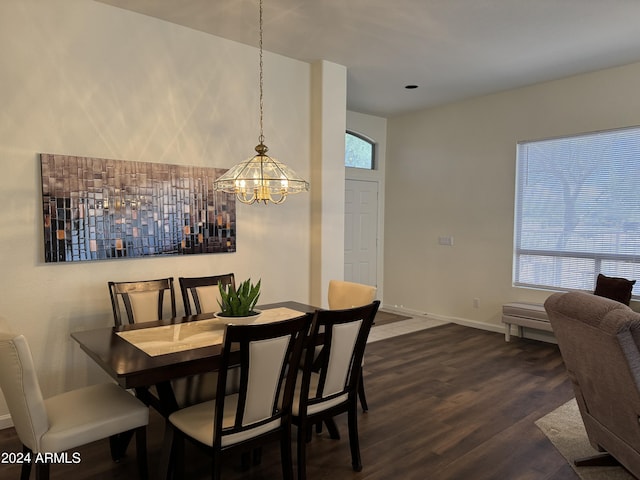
[(359, 152)]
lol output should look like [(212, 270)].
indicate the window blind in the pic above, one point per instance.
[(578, 210)]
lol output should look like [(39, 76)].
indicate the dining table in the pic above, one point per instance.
[(131, 356)]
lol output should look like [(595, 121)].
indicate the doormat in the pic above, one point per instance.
[(385, 318)]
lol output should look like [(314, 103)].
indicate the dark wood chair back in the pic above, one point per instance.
[(269, 359), (142, 301), (200, 294)]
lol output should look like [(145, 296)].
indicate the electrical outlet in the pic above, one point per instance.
[(446, 240), (476, 303)]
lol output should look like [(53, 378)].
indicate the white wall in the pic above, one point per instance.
[(451, 172), (83, 78)]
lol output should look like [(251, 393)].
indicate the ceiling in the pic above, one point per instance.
[(450, 49)]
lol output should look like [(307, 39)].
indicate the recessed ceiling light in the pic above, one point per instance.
[(411, 87)]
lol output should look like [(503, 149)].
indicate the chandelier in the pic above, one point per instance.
[(261, 178)]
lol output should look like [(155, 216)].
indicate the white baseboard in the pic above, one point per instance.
[(491, 327), (443, 318), (5, 421), (403, 311), (465, 322)]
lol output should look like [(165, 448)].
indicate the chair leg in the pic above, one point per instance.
[(361, 394), (245, 461), (216, 470), (354, 441), (179, 456), (42, 471), (302, 452), (604, 459), (331, 426), (285, 454), (119, 444), (141, 452), (25, 472), (170, 450), (257, 456)]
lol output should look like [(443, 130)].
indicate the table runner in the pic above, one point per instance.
[(167, 339)]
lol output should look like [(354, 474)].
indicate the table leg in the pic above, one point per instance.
[(332, 428), (165, 403), (168, 402)]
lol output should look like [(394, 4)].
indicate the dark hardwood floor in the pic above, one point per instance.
[(449, 402)]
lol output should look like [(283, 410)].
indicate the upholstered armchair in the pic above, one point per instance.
[(599, 341)]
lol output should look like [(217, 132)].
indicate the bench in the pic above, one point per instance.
[(531, 315)]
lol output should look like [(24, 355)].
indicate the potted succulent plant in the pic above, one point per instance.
[(239, 302)]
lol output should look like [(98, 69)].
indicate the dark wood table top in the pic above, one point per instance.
[(133, 368)]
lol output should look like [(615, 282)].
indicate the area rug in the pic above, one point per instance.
[(385, 318), (566, 431)]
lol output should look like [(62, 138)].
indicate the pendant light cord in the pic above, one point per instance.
[(261, 138), (261, 178)]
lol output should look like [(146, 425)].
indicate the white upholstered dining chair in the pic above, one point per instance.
[(343, 295), (68, 420)]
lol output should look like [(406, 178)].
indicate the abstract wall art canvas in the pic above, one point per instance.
[(98, 209)]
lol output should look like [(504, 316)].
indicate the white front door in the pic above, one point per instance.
[(361, 232)]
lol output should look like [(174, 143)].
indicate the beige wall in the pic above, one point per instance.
[(450, 172), (83, 78), (329, 82)]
